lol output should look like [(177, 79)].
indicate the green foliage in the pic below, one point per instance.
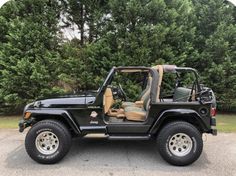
[(131, 83), (28, 51), (35, 61), (215, 44), (140, 32)]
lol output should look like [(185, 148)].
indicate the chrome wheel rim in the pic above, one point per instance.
[(180, 144), (47, 142)]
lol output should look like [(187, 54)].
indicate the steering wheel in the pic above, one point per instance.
[(122, 93)]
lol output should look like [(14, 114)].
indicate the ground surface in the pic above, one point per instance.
[(97, 157)]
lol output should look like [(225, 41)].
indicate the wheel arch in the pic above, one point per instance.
[(62, 116), (172, 115)]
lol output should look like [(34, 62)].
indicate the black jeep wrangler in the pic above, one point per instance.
[(175, 119)]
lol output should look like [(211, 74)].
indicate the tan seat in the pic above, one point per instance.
[(143, 94), (136, 113), (108, 101), (139, 114)]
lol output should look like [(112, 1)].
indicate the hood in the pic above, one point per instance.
[(66, 101)]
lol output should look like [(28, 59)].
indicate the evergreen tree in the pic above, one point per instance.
[(28, 50), (35, 61), (87, 16), (215, 49)]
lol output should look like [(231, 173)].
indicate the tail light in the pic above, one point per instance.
[(213, 111)]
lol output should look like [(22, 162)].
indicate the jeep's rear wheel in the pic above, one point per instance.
[(48, 141), (180, 143)]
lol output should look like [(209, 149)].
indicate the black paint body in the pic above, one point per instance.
[(76, 112)]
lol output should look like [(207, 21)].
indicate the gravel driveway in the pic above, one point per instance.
[(97, 157)]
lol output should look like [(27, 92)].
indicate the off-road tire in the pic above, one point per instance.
[(179, 127), (57, 128)]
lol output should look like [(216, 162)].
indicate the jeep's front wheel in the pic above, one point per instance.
[(180, 143), (48, 141)]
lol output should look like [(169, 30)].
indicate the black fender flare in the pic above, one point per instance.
[(176, 113), (39, 114)]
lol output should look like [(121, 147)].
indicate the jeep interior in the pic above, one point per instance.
[(115, 101), (174, 85), (178, 86)]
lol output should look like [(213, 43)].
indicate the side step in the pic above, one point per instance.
[(96, 135), (116, 137)]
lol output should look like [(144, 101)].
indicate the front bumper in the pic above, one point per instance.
[(23, 124)]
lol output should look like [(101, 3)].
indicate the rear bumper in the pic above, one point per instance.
[(214, 132), (213, 126)]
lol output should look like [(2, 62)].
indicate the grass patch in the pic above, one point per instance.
[(9, 121), (226, 122)]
